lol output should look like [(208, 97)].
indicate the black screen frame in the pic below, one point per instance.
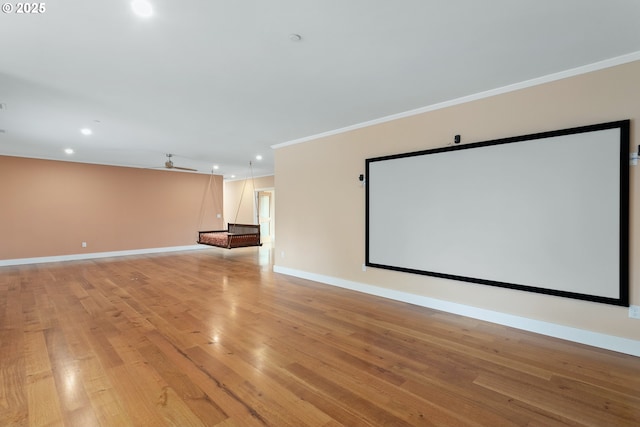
[(623, 291)]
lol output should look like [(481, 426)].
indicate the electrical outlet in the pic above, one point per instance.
[(84, 244), (282, 254), (634, 311)]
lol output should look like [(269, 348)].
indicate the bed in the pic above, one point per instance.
[(235, 236)]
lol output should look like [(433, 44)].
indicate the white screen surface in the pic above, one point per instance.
[(541, 213)]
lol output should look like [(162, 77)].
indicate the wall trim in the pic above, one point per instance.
[(607, 63), (594, 339), (245, 178), (94, 255)]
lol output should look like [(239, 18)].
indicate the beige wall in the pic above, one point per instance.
[(243, 208), (320, 203), (49, 207)]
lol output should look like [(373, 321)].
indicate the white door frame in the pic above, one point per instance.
[(272, 190)]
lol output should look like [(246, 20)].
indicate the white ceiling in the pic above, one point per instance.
[(220, 82)]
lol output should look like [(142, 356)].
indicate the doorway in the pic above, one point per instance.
[(266, 214)]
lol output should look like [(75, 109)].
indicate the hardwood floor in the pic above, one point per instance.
[(215, 338)]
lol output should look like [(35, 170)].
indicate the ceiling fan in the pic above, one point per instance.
[(169, 165)]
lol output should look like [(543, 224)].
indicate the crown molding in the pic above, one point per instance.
[(608, 63)]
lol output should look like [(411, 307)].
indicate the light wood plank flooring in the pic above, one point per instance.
[(215, 338)]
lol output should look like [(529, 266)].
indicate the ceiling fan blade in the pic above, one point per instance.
[(185, 169)]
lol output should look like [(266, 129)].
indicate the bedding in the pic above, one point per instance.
[(235, 236)]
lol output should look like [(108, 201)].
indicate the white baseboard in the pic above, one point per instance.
[(74, 257), (595, 339)]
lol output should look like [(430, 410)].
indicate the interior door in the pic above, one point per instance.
[(265, 209)]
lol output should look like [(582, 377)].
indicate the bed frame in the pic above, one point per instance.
[(235, 236)]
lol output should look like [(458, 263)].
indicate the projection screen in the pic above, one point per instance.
[(545, 212)]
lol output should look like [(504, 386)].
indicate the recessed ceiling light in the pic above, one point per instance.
[(216, 167), (68, 150), (233, 176), (295, 37), (258, 157), (142, 8), (86, 131)]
